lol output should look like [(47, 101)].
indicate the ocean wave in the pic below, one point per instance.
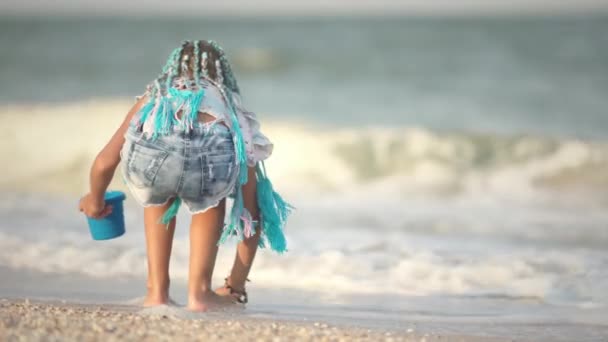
[(351, 245), (56, 144), (405, 160), (553, 276)]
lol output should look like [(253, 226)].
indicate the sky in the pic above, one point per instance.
[(296, 7)]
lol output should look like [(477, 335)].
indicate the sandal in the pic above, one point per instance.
[(241, 295)]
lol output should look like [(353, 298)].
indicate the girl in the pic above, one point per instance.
[(188, 139)]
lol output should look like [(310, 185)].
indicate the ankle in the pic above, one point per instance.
[(161, 296), (197, 289), (205, 289), (235, 284), (158, 285), (154, 298), (158, 292), (198, 294), (236, 291)]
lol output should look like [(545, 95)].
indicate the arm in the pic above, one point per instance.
[(102, 171)]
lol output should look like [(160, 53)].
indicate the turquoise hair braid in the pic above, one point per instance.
[(197, 63)]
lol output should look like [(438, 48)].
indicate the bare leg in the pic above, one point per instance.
[(204, 235), (245, 253), (159, 240), (246, 249)]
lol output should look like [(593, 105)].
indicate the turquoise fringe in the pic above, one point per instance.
[(145, 111), (171, 212), (273, 212), (195, 100), (160, 122), (234, 226), (241, 153)]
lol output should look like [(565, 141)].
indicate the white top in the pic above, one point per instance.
[(257, 145)]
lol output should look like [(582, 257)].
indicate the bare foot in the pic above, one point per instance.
[(153, 299), (207, 300), (225, 292), (236, 295)]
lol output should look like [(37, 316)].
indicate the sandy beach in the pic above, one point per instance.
[(23, 320)]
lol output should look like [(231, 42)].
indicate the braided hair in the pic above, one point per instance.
[(191, 61), (186, 66)]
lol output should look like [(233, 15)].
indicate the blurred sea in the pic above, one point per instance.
[(442, 167)]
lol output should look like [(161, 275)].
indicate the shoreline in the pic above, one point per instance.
[(34, 305), (41, 320)]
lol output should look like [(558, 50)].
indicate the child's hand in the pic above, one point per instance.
[(94, 208)]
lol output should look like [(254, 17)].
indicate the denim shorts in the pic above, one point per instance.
[(198, 165)]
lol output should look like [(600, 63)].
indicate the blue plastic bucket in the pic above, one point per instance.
[(113, 225)]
